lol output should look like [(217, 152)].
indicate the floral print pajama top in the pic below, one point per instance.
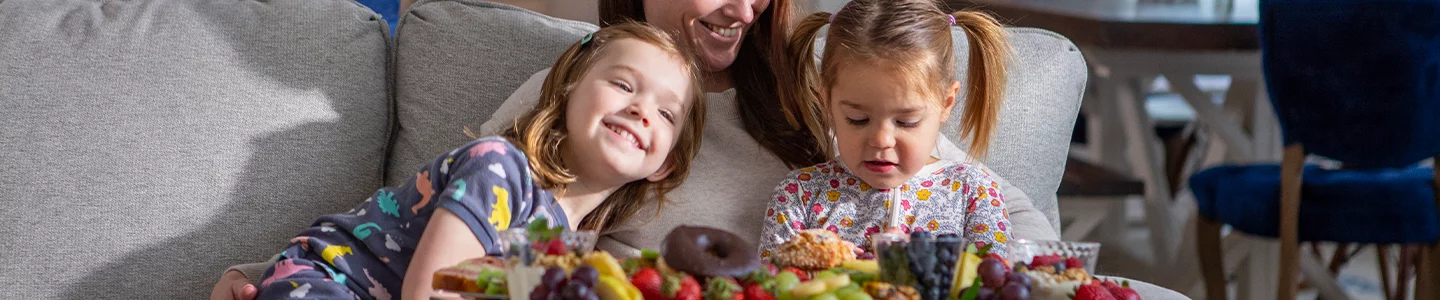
[(944, 197)]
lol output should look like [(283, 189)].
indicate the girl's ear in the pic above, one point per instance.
[(949, 102), (663, 172)]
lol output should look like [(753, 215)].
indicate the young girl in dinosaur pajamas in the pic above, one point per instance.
[(886, 84), (620, 116)]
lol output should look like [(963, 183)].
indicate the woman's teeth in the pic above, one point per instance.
[(724, 31), (626, 135)]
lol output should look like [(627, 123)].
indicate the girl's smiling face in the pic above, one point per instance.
[(885, 126), (626, 113)]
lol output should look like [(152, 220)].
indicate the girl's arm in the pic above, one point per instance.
[(447, 241), (985, 215), (784, 212)]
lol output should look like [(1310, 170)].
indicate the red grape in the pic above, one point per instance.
[(553, 279), (586, 275), (992, 273), (1014, 292)]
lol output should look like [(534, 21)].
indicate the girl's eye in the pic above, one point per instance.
[(668, 116), (623, 86), (908, 124), (860, 122)]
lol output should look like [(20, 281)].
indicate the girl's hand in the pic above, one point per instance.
[(858, 250), (233, 286)]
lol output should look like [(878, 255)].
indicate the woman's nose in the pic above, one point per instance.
[(745, 10)]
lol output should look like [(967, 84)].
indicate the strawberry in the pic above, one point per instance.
[(681, 287), (720, 288), (1045, 260), (649, 282), (1071, 263), (755, 291), (1121, 292), (804, 276), (770, 268), (1092, 292), (555, 247)]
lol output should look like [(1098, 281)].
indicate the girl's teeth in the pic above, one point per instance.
[(626, 135)]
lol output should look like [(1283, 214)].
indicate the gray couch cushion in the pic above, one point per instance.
[(456, 62), (147, 145), (1046, 81), (1042, 97)]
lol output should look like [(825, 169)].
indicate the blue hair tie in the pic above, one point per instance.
[(587, 38)]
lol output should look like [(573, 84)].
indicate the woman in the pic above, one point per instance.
[(749, 141)]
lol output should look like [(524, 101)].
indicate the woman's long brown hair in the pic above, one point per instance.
[(540, 132), (914, 37), (770, 119)]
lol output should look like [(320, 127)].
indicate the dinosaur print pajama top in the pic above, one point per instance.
[(364, 253)]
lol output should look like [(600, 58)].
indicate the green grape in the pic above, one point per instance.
[(825, 296), (785, 281), (856, 296), (824, 274), (849, 289), (784, 296)]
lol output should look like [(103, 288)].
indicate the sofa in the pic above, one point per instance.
[(146, 145)]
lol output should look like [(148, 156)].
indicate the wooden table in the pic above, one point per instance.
[(1128, 44), (1113, 24)]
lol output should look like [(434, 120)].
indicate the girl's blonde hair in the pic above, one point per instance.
[(540, 132), (912, 36)]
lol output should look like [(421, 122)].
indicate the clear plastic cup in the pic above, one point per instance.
[(890, 254), (1026, 250)]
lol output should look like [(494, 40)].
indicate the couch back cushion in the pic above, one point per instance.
[(147, 145), (456, 62)]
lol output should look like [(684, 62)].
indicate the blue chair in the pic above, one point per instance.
[(1356, 81)]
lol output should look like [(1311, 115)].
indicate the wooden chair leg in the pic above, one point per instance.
[(1339, 258), (1290, 178), (1384, 259), (1212, 259), (1428, 273), (1407, 264)]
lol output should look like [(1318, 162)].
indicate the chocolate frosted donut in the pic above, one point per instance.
[(709, 252)]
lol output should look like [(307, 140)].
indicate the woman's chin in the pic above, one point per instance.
[(715, 60)]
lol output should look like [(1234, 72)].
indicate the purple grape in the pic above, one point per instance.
[(574, 290), (539, 293), (586, 275), (1014, 291), (1018, 278), (985, 293), (992, 273), (553, 279)]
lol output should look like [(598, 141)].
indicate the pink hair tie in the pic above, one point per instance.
[(952, 19)]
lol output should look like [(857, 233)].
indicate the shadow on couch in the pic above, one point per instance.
[(318, 53)]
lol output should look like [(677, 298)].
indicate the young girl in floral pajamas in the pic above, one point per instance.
[(886, 84), (620, 116)]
